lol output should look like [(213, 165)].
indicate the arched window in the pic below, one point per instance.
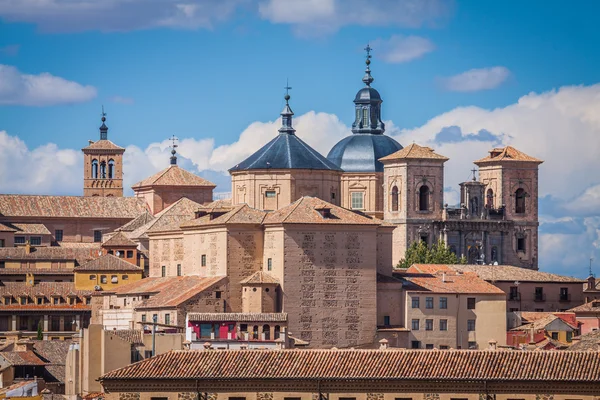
[(255, 332), (111, 169), (267, 332), (277, 332), (395, 198), (475, 206), (424, 198), (473, 255), (520, 201), (94, 169), (365, 119), (494, 254), (102, 170), (490, 199)]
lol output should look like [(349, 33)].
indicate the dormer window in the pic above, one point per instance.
[(23, 300), (7, 300), (40, 300)]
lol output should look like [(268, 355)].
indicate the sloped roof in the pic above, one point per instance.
[(173, 175), (238, 317), (305, 211), (168, 219), (7, 227), (103, 145), (119, 240), (31, 229), (507, 153), (416, 152), (53, 253), (133, 336), (46, 289), (137, 222), (591, 307), (22, 358), (343, 365), (108, 262), (260, 277), (540, 324), (242, 214), (588, 342), (286, 151), (442, 279), (20, 205), (511, 274)]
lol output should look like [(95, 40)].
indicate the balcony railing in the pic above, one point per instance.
[(464, 213)]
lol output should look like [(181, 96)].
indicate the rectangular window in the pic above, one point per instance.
[(443, 324), (125, 277), (539, 294), (415, 324), (218, 294), (103, 279), (143, 317), (23, 300), (564, 294), (521, 244), (163, 271), (269, 264), (40, 300), (35, 240), (415, 344), (357, 200), (428, 302), (56, 300), (415, 302), (386, 320), (270, 193), (332, 195), (58, 235), (88, 300), (178, 269), (92, 277), (472, 345), (114, 279), (514, 293), (443, 303), (203, 260), (19, 239), (555, 335), (168, 319), (443, 347), (129, 253), (2, 243), (470, 325), (2, 264), (428, 324), (429, 346), (365, 118), (470, 303), (97, 236)]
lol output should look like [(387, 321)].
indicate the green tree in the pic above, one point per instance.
[(40, 332), (419, 253)]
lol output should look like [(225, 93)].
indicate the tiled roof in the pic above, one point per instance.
[(137, 222), (36, 271), (305, 211), (133, 336), (442, 279), (108, 262), (588, 342), (238, 317), (171, 217), (18, 358), (103, 145), (53, 253), (31, 229), (79, 245), (414, 151), (540, 324), (260, 277), (507, 153), (7, 227), (47, 290), (511, 274), (119, 240), (217, 204), (168, 292), (174, 176), (449, 365), (52, 351), (592, 307), (241, 214), (20, 205)]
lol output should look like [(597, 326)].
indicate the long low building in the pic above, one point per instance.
[(383, 374)]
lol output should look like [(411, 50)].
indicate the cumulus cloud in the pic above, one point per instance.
[(118, 15), (399, 48), (475, 80), (17, 88), (315, 17)]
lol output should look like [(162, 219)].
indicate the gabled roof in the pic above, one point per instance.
[(542, 323), (103, 145), (53, 253), (173, 175), (510, 273), (133, 336), (305, 210), (31, 229), (137, 222), (286, 151), (260, 277), (507, 153), (168, 219), (119, 240), (591, 307), (415, 152), (22, 358), (238, 317), (108, 262), (20, 205), (242, 214), (44, 289), (588, 342)]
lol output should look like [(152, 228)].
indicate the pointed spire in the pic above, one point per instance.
[(103, 127), (173, 151), (368, 79), (287, 114)]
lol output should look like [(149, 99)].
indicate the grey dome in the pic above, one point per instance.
[(361, 152), (366, 95)]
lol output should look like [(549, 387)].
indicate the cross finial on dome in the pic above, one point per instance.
[(103, 127), (287, 113), (368, 79), (173, 151)]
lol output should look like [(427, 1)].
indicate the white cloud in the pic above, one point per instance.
[(399, 49), (118, 15), (315, 17), (476, 79), (17, 88)]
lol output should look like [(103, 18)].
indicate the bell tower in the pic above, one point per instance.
[(103, 166)]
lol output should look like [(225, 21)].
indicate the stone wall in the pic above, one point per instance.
[(245, 257), (370, 185), (166, 250)]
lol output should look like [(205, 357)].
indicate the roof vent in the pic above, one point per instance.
[(324, 211)]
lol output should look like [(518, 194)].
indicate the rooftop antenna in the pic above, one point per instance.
[(173, 146)]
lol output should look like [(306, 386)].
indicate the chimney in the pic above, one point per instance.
[(383, 344), (443, 277), (493, 344), (207, 346)]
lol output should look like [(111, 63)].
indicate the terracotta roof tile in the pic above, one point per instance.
[(31, 229), (591, 307), (174, 176), (43, 289), (18, 358), (588, 342), (442, 279), (414, 151), (103, 145), (108, 262), (19, 205), (137, 222), (133, 336), (7, 227), (449, 365), (238, 317), (507, 153), (241, 214), (168, 219), (511, 274), (260, 277), (119, 240), (48, 254)]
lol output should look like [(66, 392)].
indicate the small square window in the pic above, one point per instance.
[(428, 302), (92, 277), (415, 302), (470, 303), (521, 244), (415, 344), (386, 320), (124, 277), (218, 294), (443, 303), (415, 325), (472, 345), (19, 239), (103, 279), (429, 346), (270, 193)]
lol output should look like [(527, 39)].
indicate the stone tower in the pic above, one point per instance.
[(103, 166)]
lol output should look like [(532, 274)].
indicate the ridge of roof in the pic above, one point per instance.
[(174, 175), (507, 153), (118, 239), (414, 151), (103, 144), (260, 277), (108, 262)]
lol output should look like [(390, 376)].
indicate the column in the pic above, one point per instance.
[(61, 323), (45, 323), (14, 322), (77, 323)]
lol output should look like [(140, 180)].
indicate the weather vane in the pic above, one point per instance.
[(103, 113), (287, 88), (368, 50), (174, 139)]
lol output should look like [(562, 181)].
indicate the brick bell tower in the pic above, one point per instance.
[(103, 166)]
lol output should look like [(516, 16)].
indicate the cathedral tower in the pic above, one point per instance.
[(103, 166)]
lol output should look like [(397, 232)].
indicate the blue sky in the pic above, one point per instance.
[(460, 76)]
